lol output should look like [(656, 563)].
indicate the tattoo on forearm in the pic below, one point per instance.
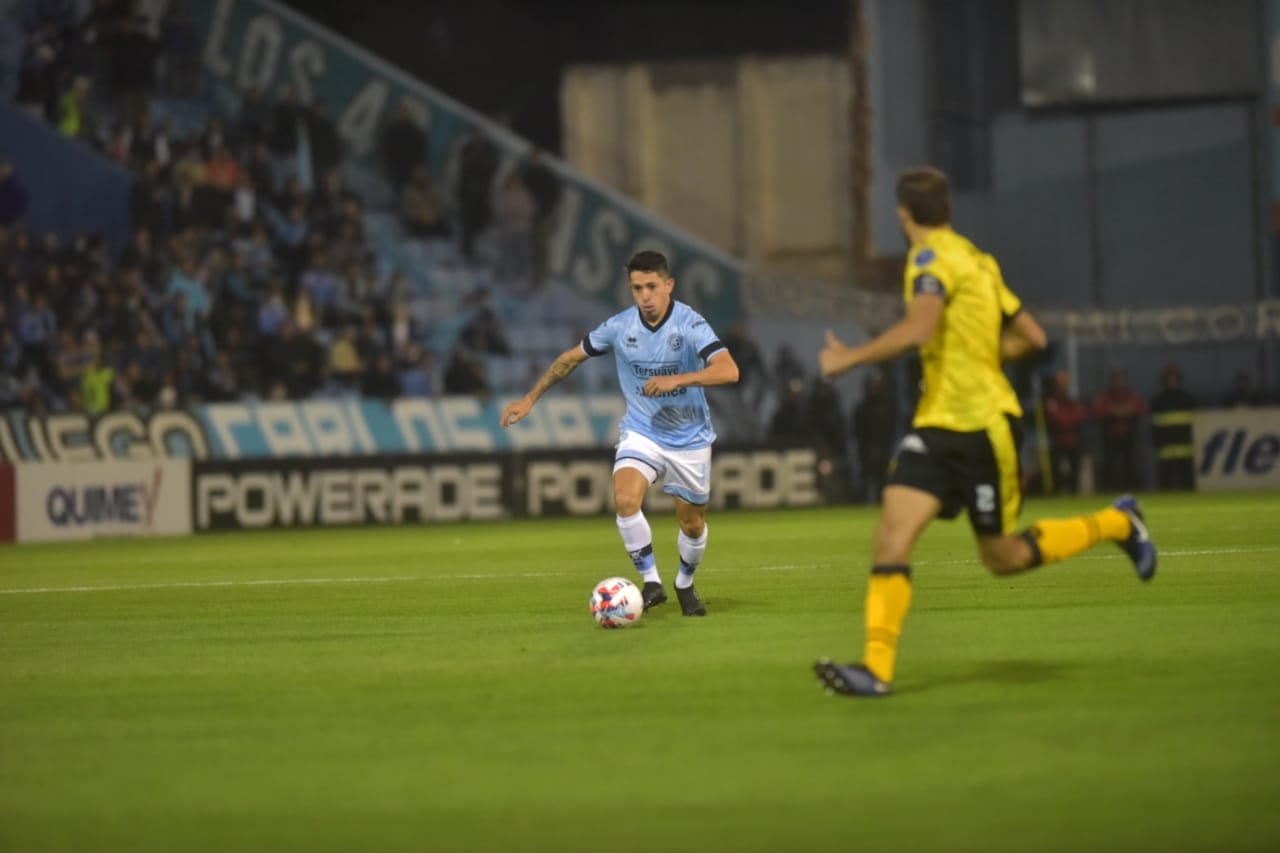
[(558, 370)]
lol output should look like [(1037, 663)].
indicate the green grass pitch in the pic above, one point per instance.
[(444, 689)]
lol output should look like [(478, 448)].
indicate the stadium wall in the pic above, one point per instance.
[(750, 153), (70, 189), (161, 475)]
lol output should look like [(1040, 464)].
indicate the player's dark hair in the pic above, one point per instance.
[(925, 194), (649, 261)]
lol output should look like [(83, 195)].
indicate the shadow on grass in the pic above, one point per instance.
[(1007, 672)]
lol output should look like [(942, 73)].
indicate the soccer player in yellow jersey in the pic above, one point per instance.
[(962, 450)]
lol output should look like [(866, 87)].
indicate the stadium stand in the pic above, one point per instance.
[(258, 265)]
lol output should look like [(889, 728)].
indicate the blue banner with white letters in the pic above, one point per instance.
[(311, 428), (261, 43)]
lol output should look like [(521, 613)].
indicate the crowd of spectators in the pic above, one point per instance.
[(1124, 424), (249, 270)]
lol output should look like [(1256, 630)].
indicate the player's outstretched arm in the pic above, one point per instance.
[(564, 364), (1022, 337), (720, 370), (913, 330)]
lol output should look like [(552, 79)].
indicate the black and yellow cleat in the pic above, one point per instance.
[(850, 680)]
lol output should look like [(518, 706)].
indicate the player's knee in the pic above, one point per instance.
[(692, 525), (892, 542), (627, 504)]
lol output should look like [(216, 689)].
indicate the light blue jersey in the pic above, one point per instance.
[(681, 342)]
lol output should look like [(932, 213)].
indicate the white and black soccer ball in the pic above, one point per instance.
[(616, 603)]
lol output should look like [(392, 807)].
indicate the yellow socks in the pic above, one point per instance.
[(1057, 539), (888, 599)]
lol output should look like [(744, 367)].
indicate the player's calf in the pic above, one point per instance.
[(1006, 555)]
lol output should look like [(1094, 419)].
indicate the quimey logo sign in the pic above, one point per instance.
[(1238, 449), (80, 501)]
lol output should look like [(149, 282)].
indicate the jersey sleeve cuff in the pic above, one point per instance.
[(1009, 318), (590, 350), (710, 350)]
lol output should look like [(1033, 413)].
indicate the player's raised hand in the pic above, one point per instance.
[(832, 359), (516, 411)]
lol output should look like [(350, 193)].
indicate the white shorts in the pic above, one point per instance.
[(685, 473)]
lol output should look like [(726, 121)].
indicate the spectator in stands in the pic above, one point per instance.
[(1118, 409), (75, 112), (401, 325), (13, 195), (514, 211), (416, 372), (753, 375), (186, 282), (222, 384), (35, 327), (148, 200), (381, 382), (70, 360), (1065, 418), (873, 433), (322, 136), (404, 146), (286, 118), (294, 361), (324, 289), (483, 333), (477, 167), (254, 119), (97, 384), (544, 184), (786, 367), (291, 240), (141, 255), (465, 375), (790, 421), (238, 283), (344, 359), (325, 209), (1242, 393), (262, 171), (272, 314), (421, 209), (11, 385), (826, 416), (259, 255), (132, 60), (1172, 412), (222, 176)]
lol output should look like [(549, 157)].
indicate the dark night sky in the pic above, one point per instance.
[(508, 55)]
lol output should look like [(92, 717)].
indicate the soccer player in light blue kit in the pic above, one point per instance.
[(666, 354)]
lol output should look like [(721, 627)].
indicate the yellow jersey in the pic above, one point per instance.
[(965, 388)]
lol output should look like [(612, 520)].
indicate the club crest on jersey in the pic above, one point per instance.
[(675, 342)]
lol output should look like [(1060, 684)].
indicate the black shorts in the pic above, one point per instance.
[(977, 471)]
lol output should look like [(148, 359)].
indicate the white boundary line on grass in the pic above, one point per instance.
[(1193, 552)]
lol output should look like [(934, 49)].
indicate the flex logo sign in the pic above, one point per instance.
[(1238, 449)]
